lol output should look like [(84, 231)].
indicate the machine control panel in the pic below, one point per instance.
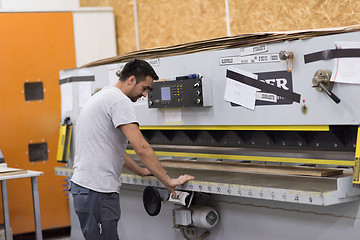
[(180, 93)]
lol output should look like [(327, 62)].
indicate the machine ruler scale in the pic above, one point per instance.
[(305, 190)]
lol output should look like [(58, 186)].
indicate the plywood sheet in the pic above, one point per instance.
[(125, 25), (6, 171), (252, 168), (170, 22), (223, 43), (248, 16)]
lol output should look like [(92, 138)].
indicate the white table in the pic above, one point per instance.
[(35, 194)]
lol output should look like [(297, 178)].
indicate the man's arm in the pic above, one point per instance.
[(130, 164), (147, 156)]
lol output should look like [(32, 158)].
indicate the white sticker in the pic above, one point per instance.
[(268, 97), (172, 116), (245, 51), (154, 62), (264, 58)]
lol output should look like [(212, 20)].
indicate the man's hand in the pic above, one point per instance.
[(178, 181)]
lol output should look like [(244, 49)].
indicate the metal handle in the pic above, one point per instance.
[(329, 93)]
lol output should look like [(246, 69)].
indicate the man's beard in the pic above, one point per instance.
[(134, 99)]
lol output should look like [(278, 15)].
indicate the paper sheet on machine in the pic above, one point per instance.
[(240, 93), (346, 70)]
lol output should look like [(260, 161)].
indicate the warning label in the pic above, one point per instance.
[(263, 58)]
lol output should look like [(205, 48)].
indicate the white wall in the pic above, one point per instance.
[(38, 5), (94, 33)]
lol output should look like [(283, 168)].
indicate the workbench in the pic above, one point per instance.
[(35, 195)]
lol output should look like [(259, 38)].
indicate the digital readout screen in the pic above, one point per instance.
[(165, 94)]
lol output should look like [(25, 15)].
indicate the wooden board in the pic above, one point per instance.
[(223, 43), (6, 171), (252, 168), (11, 171)]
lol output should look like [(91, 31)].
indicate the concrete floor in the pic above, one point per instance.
[(58, 238), (53, 234)]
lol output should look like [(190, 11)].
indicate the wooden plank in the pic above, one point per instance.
[(223, 43), (6, 171), (16, 172), (252, 168)]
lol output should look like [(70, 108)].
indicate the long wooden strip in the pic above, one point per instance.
[(223, 43), (9, 172), (252, 168)]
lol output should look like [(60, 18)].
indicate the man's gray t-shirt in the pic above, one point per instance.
[(100, 143)]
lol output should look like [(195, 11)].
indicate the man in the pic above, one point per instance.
[(105, 125)]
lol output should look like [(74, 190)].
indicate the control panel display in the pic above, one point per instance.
[(178, 93), (165, 94)]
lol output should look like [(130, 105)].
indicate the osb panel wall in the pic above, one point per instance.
[(125, 23), (170, 22), (96, 3), (248, 16)]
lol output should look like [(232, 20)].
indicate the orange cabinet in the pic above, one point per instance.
[(34, 47)]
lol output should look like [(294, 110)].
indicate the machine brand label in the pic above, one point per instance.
[(263, 58), (280, 79), (245, 51)]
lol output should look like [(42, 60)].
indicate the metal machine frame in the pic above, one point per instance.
[(300, 126)]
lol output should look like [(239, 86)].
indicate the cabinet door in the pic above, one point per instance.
[(34, 47)]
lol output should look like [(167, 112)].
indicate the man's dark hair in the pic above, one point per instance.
[(140, 69)]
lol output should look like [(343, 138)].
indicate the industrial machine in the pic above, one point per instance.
[(267, 123)]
